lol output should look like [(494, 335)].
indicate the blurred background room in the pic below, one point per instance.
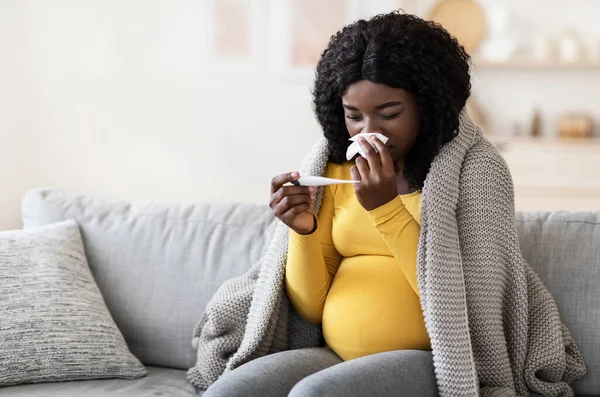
[(207, 100)]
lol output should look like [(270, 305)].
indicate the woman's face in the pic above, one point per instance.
[(393, 112)]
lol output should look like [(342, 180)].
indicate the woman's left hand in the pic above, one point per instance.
[(377, 175)]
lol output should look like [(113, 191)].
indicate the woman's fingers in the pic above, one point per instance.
[(292, 204), (288, 202), (355, 173), (291, 191), (291, 213), (279, 192), (362, 166), (282, 179), (384, 154), (370, 153), (372, 156)]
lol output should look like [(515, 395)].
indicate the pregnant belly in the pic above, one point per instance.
[(371, 308)]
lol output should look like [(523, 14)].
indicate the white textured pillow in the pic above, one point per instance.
[(54, 324)]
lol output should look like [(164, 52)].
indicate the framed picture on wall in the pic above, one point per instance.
[(301, 29), (312, 23), (235, 33)]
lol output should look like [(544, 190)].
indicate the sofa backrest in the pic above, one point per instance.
[(158, 265), (564, 250)]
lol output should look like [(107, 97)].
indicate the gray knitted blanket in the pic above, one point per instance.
[(495, 330)]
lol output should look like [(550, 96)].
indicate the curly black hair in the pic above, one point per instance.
[(400, 51)]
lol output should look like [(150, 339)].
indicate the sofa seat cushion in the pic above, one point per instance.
[(159, 382)]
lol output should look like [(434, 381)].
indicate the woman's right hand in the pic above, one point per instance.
[(293, 205)]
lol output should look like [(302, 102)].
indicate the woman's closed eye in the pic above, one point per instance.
[(389, 116)]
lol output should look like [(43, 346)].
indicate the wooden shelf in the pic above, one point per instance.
[(533, 64)]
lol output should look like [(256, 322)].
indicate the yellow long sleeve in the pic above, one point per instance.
[(357, 273), (312, 263), (400, 232)]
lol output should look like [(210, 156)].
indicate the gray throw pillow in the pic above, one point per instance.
[(54, 324)]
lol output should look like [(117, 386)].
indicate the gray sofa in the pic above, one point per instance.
[(158, 265)]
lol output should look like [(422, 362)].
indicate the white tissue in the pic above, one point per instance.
[(355, 148)]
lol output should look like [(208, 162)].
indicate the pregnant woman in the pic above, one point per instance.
[(415, 267)]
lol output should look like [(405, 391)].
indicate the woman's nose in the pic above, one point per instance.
[(372, 126)]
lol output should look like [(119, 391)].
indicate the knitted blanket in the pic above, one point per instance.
[(495, 329)]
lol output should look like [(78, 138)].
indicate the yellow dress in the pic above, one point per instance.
[(357, 273)]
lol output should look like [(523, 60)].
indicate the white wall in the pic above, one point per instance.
[(15, 156), (115, 98)]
